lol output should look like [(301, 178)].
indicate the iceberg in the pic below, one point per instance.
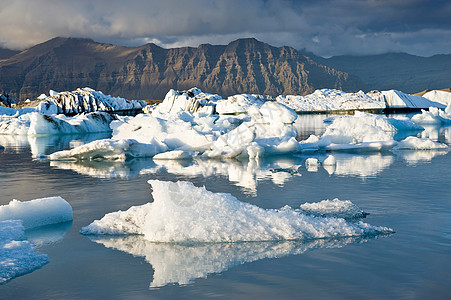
[(35, 123), (433, 116), (85, 100), (192, 100), (334, 208), (240, 103), (415, 143), (398, 99), (38, 212), (183, 213), (331, 100), (110, 149), (17, 256), (443, 97), (360, 132)]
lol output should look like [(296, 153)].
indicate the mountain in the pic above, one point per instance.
[(401, 71), (149, 71), (7, 53)]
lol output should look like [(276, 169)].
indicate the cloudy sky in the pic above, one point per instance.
[(324, 27)]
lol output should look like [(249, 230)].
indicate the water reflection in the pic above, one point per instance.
[(183, 263), (246, 174)]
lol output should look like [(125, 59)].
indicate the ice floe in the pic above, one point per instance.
[(415, 143), (17, 255), (85, 100), (442, 97), (110, 149), (331, 100), (192, 100), (35, 123), (433, 116), (182, 212), (398, 99), (334, 208), (38, 212)]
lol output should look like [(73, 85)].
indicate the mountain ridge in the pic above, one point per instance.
[(402, 71), (149, 71)]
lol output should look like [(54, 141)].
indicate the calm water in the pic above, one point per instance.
[(407, 191)]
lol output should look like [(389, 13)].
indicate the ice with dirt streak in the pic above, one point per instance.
[(182, 213)]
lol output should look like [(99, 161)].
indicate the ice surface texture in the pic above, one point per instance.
[(38, 212), (35, 123), (182, 212), (17, 256)]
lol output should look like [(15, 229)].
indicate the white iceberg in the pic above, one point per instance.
[(240, 103), (192, 100), (334, 208), (331, 100), (442, 97), (415, 143), (85, 100), (38, 212), (17, 256), (183, 213), (398, 99), (35, 123), (433, 116), (110, 149), (362, 132)]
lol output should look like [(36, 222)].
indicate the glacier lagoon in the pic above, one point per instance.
[(403, 190)]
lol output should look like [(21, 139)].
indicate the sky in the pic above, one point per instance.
[(324, 27)]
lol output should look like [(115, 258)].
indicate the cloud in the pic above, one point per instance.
[(324, 27)]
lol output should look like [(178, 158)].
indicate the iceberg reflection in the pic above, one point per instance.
[(245, 174), (183, 263)]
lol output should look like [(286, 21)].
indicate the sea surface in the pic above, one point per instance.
[(408, 191)]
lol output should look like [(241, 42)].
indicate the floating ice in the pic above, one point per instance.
[(415, 143), (442, 97), (193, 100), (397, 99), (362, 131), (38, 212), (110, 149), (334, 208), (175, 154), (182, 212), (17, 256), (331, 100), (39, 124), (176, 130), (85, 100), (239, 103), (433, 116)]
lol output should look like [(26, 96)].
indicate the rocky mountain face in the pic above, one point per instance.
[(149, 71), (400, 71), (7, 53)]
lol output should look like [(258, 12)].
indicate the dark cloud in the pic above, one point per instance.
[(324, 27)]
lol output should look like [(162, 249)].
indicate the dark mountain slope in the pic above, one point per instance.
[(149, 71), (401, 71)]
